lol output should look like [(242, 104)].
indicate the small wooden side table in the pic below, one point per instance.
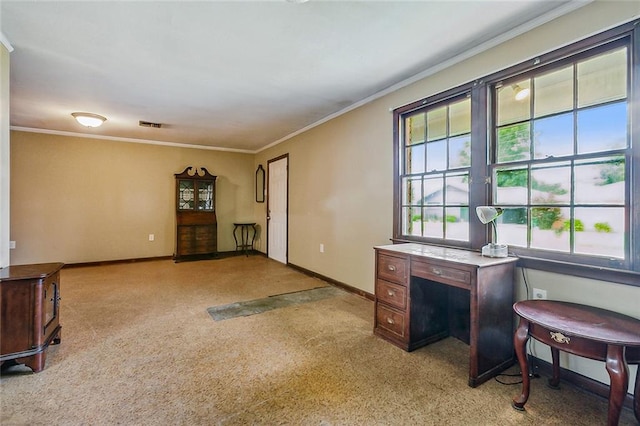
[(245, 245), (585, 331)]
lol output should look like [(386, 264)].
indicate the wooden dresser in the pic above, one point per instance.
[(426, 293), (30, 313)]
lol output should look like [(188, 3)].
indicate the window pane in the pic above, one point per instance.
[(603, 78), (602, 128), (457, 190), (553, 136), (457, 225), (437, 123), (411, 191), (460, 152), (437, 155), (433, 222), (412, 221), (548, 228), (433, 190), (415, 129), (512, 186), (551, 183), (600, 181), (512, 227), (514, 143), (600, 231), (414, 161), (553, 92), (511, 109), (460, 117)]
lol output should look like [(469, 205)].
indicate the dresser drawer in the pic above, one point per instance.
[(394, 269), (391, 294), (390, 320), (452, 276)]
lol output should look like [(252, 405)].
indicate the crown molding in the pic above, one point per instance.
[(5, 42), (130, 140)]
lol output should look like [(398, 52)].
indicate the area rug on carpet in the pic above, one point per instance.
[(257, 306)]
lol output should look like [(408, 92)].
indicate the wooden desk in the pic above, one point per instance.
[(584, 331), (426, 293)]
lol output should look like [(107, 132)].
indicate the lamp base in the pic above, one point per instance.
[(495, 250)]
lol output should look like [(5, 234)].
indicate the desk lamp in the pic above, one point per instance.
[(488, 214)]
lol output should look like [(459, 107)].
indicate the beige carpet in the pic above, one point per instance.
[(139, 348)]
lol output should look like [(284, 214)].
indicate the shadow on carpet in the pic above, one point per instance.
[(258, 306)]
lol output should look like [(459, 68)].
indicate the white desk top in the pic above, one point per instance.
[(466, 257)]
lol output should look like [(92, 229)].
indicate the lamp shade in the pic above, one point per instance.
[(88, 119), (488, 214)]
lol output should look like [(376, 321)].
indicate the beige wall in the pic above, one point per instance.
[(82, 200), (341, 177), (4, 156)]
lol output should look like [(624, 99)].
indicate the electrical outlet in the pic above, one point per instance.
[(12, 245), (321, 248), (152, 237), (539, 294)]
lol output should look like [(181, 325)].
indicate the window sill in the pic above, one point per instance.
[(593, 272)]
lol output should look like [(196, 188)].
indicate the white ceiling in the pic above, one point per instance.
[(236, 74)]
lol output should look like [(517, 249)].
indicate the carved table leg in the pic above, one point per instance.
[(554, 381), (619, 375), (520, 343)]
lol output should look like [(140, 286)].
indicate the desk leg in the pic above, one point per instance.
[(619, 374), (520, 343)]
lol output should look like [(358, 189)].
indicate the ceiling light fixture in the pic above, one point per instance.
[(89, 120), (520, 93)]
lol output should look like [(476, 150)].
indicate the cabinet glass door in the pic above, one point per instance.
[(205, 195), (185, 195)]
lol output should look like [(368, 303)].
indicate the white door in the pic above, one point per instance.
[(277, 200)]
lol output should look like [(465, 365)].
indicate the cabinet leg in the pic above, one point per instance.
[(36, 362), (56, 338)]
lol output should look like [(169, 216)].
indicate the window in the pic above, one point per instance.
[(435, 171), (561, 158), (551, 141)]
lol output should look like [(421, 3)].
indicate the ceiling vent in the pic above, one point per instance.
[(149, 124)]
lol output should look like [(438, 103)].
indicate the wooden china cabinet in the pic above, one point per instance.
[(196, 222)]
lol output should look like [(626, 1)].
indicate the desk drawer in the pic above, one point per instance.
[(392, 294), (456, 277), (394, 269), (390, 320)]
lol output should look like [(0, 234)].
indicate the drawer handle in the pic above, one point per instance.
[(390, 320), (437, 271), (391, 293), (392, 268), (559, 337)]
